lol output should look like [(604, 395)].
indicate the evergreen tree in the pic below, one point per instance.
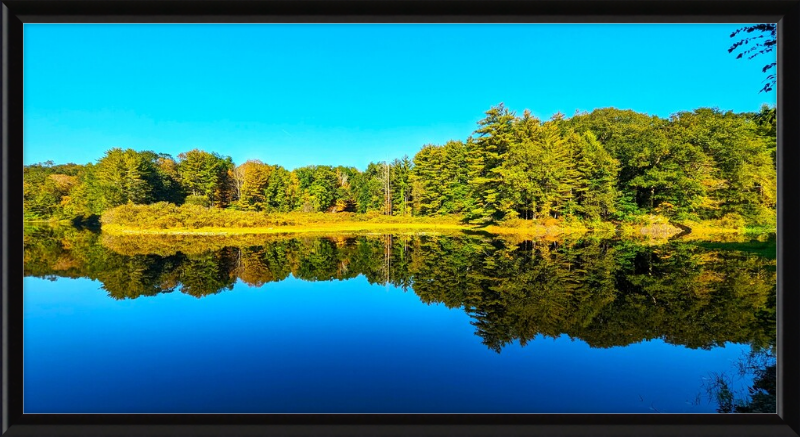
[(427, 180), (204, 174), (277, 195), (123, 176), (485, 154), (598, 171), (401, 186)]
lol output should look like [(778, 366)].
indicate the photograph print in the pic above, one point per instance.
[(399, 218)]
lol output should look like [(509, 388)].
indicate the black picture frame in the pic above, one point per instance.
[(785, 12)]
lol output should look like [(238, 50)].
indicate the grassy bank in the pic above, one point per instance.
[(169, 219), (321, 228)]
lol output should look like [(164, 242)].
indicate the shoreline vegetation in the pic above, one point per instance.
[(659, 228), (700, 175), (164, 219)]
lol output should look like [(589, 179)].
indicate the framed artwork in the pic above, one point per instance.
[(399, 218)]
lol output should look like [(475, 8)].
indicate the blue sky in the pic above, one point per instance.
[(348, 94)]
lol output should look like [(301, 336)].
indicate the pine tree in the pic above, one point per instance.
[(123, 176), (427, 180), (484, 156), (277, 192), (598, 171), (204, 174)]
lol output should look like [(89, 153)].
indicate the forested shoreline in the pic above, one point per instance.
[(599, 166)]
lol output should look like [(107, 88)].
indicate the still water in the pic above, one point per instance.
[(387, 324)]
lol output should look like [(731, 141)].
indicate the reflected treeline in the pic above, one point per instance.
[(605, 292)]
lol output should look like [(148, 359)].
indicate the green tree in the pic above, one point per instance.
[(438, 179), (322, 191), (166, 184), (653, 167), (277, 193), (346, 191), (401, 186), (369, 188), (252, 180), (767, 127), (538, 176), (740, 162), (485, 153), (205, 174), (427, 180), (598, 177), (123, 176), (48, 189)]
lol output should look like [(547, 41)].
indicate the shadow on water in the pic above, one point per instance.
[(90, 223), (766, 248), (685, 230)]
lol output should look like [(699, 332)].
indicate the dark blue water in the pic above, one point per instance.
[(328, 347)]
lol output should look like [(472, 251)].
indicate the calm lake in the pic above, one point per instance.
[(463, 323)]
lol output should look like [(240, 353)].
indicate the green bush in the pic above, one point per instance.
[(164, 215), (732, 221)]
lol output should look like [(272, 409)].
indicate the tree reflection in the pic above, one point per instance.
[(759, 397), (604, 292)]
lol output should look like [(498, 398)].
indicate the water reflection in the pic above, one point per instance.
[(604, 292), (760, 396)]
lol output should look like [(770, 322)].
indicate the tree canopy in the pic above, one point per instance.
[(608, 164)]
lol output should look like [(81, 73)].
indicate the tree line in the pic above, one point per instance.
[(608, 164)]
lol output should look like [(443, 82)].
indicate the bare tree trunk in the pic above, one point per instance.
[(238, 181), (388, 189), (387, 257), (652, 194)]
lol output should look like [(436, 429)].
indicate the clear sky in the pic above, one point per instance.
[(348, 94)]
